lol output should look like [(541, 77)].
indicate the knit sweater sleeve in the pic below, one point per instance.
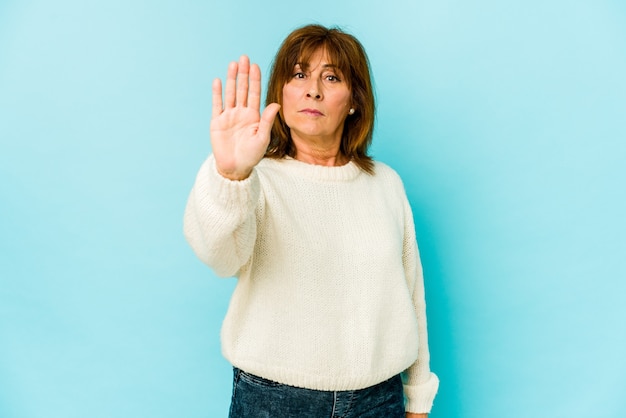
[(420, 384), (219, 221)]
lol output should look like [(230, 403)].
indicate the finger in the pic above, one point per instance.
[(231, 82), (267, 119), (242, 81), (254, 96), (217, 98)]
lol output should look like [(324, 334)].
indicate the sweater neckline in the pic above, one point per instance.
[(344, 172)]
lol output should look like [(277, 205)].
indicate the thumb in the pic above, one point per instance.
[(267, 119)]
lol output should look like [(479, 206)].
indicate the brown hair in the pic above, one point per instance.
[(347, 53)]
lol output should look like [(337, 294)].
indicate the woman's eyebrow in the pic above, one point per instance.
[(305, 65)]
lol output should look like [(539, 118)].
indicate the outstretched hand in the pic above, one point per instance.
[(239, 133)]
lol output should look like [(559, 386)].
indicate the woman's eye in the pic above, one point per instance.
[(299, 75), (332, 78)]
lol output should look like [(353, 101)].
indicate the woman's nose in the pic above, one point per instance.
[(314, 91), (314, 94)]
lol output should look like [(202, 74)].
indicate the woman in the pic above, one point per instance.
[(328, 315)]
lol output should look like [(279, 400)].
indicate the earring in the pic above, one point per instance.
[(351, 111)]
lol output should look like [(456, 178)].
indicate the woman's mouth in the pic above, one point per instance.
[(311, 112)]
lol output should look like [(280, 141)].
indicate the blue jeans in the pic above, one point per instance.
[(256, 397)]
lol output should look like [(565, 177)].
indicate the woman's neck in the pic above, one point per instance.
[(318, 154)]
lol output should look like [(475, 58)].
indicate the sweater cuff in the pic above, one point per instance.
[(419, 398), (231, 195)]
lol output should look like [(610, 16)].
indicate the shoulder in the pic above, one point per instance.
[(391, 181), (385, 173), (382, 168)]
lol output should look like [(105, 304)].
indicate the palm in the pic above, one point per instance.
[(239, 133), (236, 140)]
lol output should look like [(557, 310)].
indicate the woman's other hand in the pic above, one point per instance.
[(239, 133)]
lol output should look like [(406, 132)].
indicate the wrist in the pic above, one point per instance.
[(234, 176)]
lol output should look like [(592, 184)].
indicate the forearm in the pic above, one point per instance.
[(219, 221)]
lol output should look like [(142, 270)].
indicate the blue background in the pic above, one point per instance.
[(506, 120)]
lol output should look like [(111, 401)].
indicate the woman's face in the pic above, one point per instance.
[(316, 101)]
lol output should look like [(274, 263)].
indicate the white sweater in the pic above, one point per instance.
[(330, 294)]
